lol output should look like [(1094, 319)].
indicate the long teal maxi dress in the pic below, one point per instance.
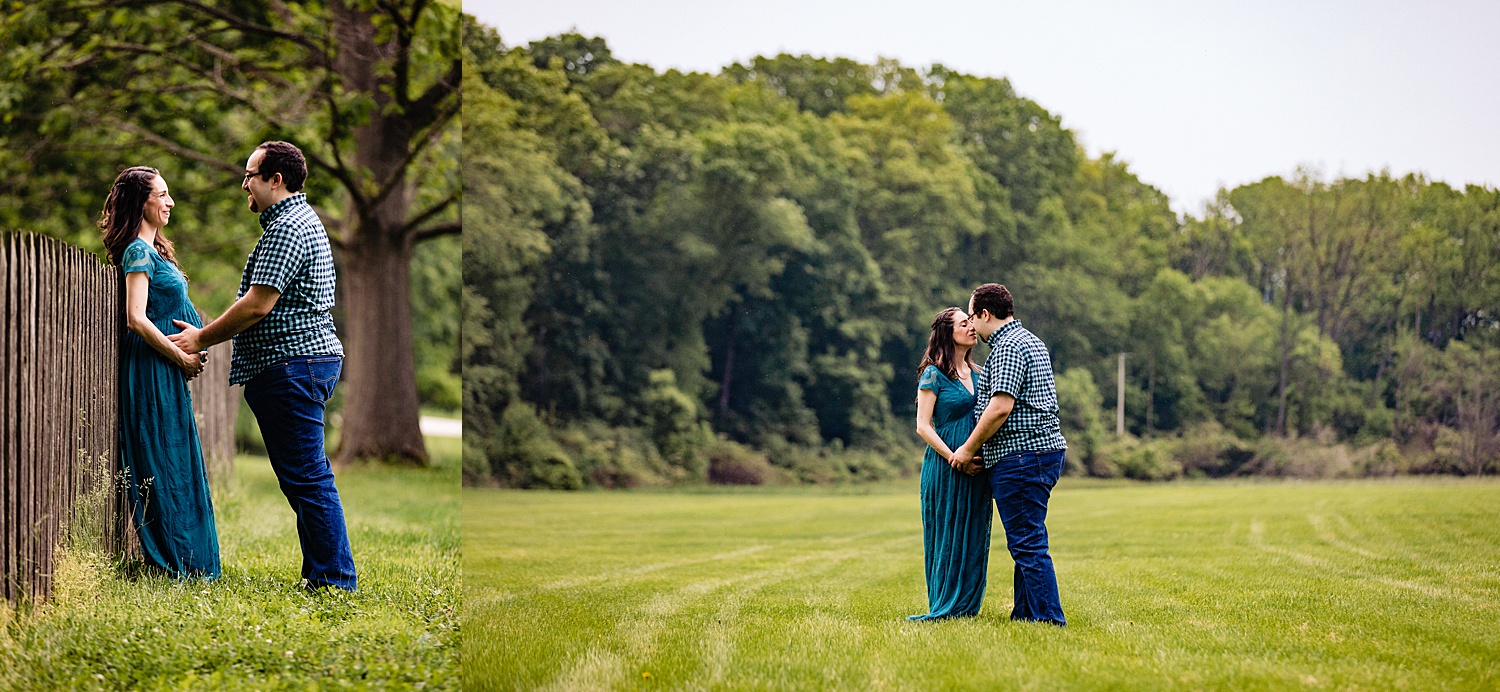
[(956, 515), (159, 447)]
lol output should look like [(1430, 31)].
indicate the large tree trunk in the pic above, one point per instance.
[(381, 411), (381, 417)]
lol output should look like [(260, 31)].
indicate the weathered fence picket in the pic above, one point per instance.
[(61, 320)]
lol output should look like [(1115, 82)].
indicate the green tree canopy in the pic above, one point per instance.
[(761, 252)]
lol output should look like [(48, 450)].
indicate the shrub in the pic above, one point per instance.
[(1151, 460), (1464, 452), (551, 469), (476, 462), (1299, 458), (1378, 424), (731, 463), (834, 463), (612, 457), (1381, 459), (1207, 449), (676, 428), (862, 465), (1100, 465), (1079, 404), (438, 387), (523, 453), (803, 463), (1146, 460)]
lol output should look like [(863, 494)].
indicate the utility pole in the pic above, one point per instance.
[(1120, 401)]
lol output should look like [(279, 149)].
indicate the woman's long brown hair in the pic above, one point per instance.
[(942, 351), (124, 209)]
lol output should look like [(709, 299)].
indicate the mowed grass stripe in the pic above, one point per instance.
[(674, 585), (636, 637), (1246, 586)]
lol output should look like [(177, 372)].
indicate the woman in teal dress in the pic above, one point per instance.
[(956, 515), (159, 448)]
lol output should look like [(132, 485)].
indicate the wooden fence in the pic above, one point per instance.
[(216, 405), (61, 321)]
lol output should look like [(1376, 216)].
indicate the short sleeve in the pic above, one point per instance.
[(929, 378), (278, 258), (136, 259), (1010, 370)]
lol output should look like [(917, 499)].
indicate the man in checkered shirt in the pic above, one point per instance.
[(1023, 446), (287, 354)]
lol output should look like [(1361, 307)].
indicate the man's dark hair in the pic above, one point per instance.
[(284, 158), (996, 299)]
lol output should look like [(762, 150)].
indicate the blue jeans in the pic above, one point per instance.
[(288, 399), (1022, 483)]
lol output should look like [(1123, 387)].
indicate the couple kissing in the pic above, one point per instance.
[(992, 433)]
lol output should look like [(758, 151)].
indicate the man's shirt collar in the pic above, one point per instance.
[(1007, 327), (275, 210)]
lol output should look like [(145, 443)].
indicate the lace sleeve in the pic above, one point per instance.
[(929, 378), (137, 259)]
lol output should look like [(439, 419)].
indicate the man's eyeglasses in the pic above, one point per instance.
[(250, 173)]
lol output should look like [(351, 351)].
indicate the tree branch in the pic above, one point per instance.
[(421, 144), (417, 8), (439, 230), (174, 147), (216, 83), (334, 132), (411, 226), (401, 63), (238, 64), (213, 79), (251, 27), (330, 223), (283, 10), (423, 111), (339, 172)]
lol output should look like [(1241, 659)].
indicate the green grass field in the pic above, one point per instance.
[(255, 628), (1359, 585)]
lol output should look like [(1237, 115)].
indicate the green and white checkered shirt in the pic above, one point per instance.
[(294, 258), (1020, 366)]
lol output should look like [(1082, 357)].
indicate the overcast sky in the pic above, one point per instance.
[(1195, 95)]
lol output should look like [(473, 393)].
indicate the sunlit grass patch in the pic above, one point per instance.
[(115, 626), (1219, 585)]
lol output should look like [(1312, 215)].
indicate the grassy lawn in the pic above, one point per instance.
[(1383, 585), (254, 628)]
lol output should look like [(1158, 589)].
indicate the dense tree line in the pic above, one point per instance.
[(675, 277)]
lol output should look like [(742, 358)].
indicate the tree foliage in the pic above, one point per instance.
[(368, 90), (676, 262)]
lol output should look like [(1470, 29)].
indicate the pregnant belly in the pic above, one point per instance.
[(955, 432)]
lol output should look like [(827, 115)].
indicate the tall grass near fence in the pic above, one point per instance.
[(61, 321)]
